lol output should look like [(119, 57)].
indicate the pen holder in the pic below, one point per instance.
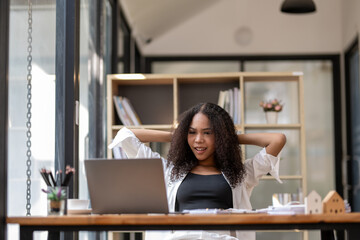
[(56, 200)]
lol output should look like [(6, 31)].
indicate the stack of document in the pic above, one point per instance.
[(285, 210), (278, 210), (218, 211)]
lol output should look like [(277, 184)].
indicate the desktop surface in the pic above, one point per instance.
[(184, 219), (140, 222)]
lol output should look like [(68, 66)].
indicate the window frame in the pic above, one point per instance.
[(349, 178), (4, 83)]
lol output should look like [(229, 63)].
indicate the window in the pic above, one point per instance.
[(43, 104)]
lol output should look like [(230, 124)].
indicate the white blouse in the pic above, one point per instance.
[(261, 164)]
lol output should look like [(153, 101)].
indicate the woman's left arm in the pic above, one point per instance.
[(273, 142)]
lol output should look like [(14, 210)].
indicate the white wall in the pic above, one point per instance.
[(212, 31)]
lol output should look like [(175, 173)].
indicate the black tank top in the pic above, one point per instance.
[(203, 191)]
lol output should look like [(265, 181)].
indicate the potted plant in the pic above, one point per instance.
[(271, 109), (56, 197)]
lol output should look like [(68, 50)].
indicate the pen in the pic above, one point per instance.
[(67, 179), (68, 174), (60, 176), (57, 177), (59, 180), (52, 178), (45, 177)]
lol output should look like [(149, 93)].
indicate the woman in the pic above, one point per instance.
[(204, 168)]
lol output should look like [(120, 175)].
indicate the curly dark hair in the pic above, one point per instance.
[(228, 158)]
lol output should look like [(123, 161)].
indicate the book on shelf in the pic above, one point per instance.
[(226, 103), (221, 99), (123, 116), (236, 105), (230, 100), (237, 100), (125, 111), (131, 111)]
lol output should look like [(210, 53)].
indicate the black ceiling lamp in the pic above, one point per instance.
[(298, 6)]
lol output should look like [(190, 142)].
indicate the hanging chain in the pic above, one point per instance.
[(28, 123)]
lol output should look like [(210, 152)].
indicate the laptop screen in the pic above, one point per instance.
[(126, 186)]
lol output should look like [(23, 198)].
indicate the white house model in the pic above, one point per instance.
[(333, 204), (313, 204)]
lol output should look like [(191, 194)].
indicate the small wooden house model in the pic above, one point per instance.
[(333, 204), (313, 204)]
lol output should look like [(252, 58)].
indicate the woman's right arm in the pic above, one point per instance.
[(148, 135), (132, 141)]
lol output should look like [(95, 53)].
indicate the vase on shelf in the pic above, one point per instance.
[(271, 117)]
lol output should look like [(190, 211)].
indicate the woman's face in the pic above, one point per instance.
[(201, 139)]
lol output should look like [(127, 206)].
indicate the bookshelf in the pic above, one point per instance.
[(158, 99)]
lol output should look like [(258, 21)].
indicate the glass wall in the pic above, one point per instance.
[(42, 105), (43, 30), (319, 116), (94, 65), (319, 130), (83, 96)]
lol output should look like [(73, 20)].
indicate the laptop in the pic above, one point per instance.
[(126, 186)]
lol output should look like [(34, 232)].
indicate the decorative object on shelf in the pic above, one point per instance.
[(56, 198), (271, 109), (57, 190), (333, 204), (313, 203), (298, 6), (271, 117)]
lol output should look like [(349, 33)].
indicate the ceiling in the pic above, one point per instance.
[(149, 19)]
